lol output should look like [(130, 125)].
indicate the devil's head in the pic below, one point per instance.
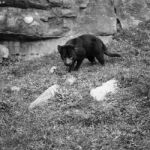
[(67, 53)]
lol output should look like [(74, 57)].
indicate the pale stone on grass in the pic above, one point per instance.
[(71, 80), (52, 70), (4, 52), (15, 88), (99, 93), (45, 96)]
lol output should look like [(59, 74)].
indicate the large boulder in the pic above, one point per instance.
[(23, 21), (100, 93)]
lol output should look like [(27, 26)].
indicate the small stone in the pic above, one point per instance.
[(4, 53), (52, 70), (28, 19), (71, 80), (15, 88)]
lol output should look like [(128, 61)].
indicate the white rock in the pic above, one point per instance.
[(36, 13), (71, 80), (4, 52), (15, 88), (28, 19), (52, 70), (99, 93), (43, 98)]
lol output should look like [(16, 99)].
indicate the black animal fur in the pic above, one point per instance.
[(85, 46)]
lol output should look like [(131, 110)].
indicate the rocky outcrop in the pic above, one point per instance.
[(23, 21), (130, 13), (53, 19)]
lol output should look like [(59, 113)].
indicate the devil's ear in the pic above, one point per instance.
[(65, 46), (59, 48), (70, 46)]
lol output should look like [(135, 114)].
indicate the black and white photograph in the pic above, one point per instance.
[(74, 74)]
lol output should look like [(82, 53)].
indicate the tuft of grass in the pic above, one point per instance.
[(73, 120)]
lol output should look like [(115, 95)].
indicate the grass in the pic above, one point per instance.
[(73, 120)]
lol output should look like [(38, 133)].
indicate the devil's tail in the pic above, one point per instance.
[(106, 52)]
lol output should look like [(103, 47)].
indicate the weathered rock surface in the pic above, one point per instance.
[(45, 96), (58, 18), (22, 21), (132, 12)]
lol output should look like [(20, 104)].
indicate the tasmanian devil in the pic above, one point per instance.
[(85, 46)]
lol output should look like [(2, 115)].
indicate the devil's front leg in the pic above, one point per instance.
[(79, 62), (71, 67)]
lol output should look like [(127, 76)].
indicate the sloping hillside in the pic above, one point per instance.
[(73, 120)]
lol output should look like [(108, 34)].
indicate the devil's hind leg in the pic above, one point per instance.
[(92, 59), (100, 58), (79, 62)]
